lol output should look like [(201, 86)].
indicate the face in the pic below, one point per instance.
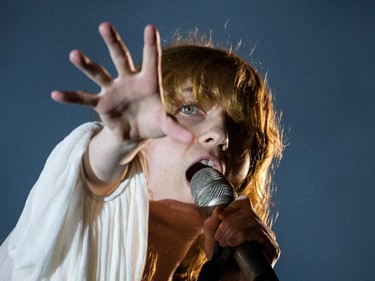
[(215, 144)]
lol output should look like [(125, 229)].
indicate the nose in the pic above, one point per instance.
[(214, 135)]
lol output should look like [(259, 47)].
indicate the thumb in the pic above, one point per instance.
[(210, 226), (177, 132)]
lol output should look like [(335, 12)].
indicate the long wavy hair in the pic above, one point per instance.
[(220, 77)]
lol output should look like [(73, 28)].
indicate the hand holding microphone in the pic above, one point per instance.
[(210, 189)]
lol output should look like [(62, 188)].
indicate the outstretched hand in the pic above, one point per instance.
[(131, 105)]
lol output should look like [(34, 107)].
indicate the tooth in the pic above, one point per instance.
[(204, 162), (207, 163)]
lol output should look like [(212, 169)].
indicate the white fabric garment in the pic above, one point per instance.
[(67, 233)]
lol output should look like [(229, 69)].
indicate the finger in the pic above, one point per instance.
[(151, 63), (119, 53), (91, 69), (239, 221), (236, 232), (238, 216), (269, 246), (262, 236), (75, 97), (241, 203), (272, 250), (175, 131)]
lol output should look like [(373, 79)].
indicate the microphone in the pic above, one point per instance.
[(211, 189)]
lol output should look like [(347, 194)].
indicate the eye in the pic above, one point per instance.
[(190, 109), (189, 114)]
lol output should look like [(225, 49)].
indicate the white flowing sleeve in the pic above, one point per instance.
[(67, 233)]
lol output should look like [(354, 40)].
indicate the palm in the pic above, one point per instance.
[(128, 106)]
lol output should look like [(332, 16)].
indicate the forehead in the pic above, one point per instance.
[(198, 94), (187, 89)]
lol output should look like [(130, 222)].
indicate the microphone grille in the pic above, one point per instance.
[(210, 188)]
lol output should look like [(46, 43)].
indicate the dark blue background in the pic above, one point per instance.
[(319, 56)]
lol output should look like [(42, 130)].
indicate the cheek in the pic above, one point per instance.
[(156, 147), (154, 150), (161, 153)]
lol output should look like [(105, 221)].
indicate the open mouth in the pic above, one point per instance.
[(195, 168)]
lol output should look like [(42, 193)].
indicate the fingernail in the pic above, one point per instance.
[(150, 33)]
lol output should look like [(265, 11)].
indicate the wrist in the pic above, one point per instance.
[(115, 146), (107, 157)]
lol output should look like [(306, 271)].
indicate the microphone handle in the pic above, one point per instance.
[(253, 263)]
